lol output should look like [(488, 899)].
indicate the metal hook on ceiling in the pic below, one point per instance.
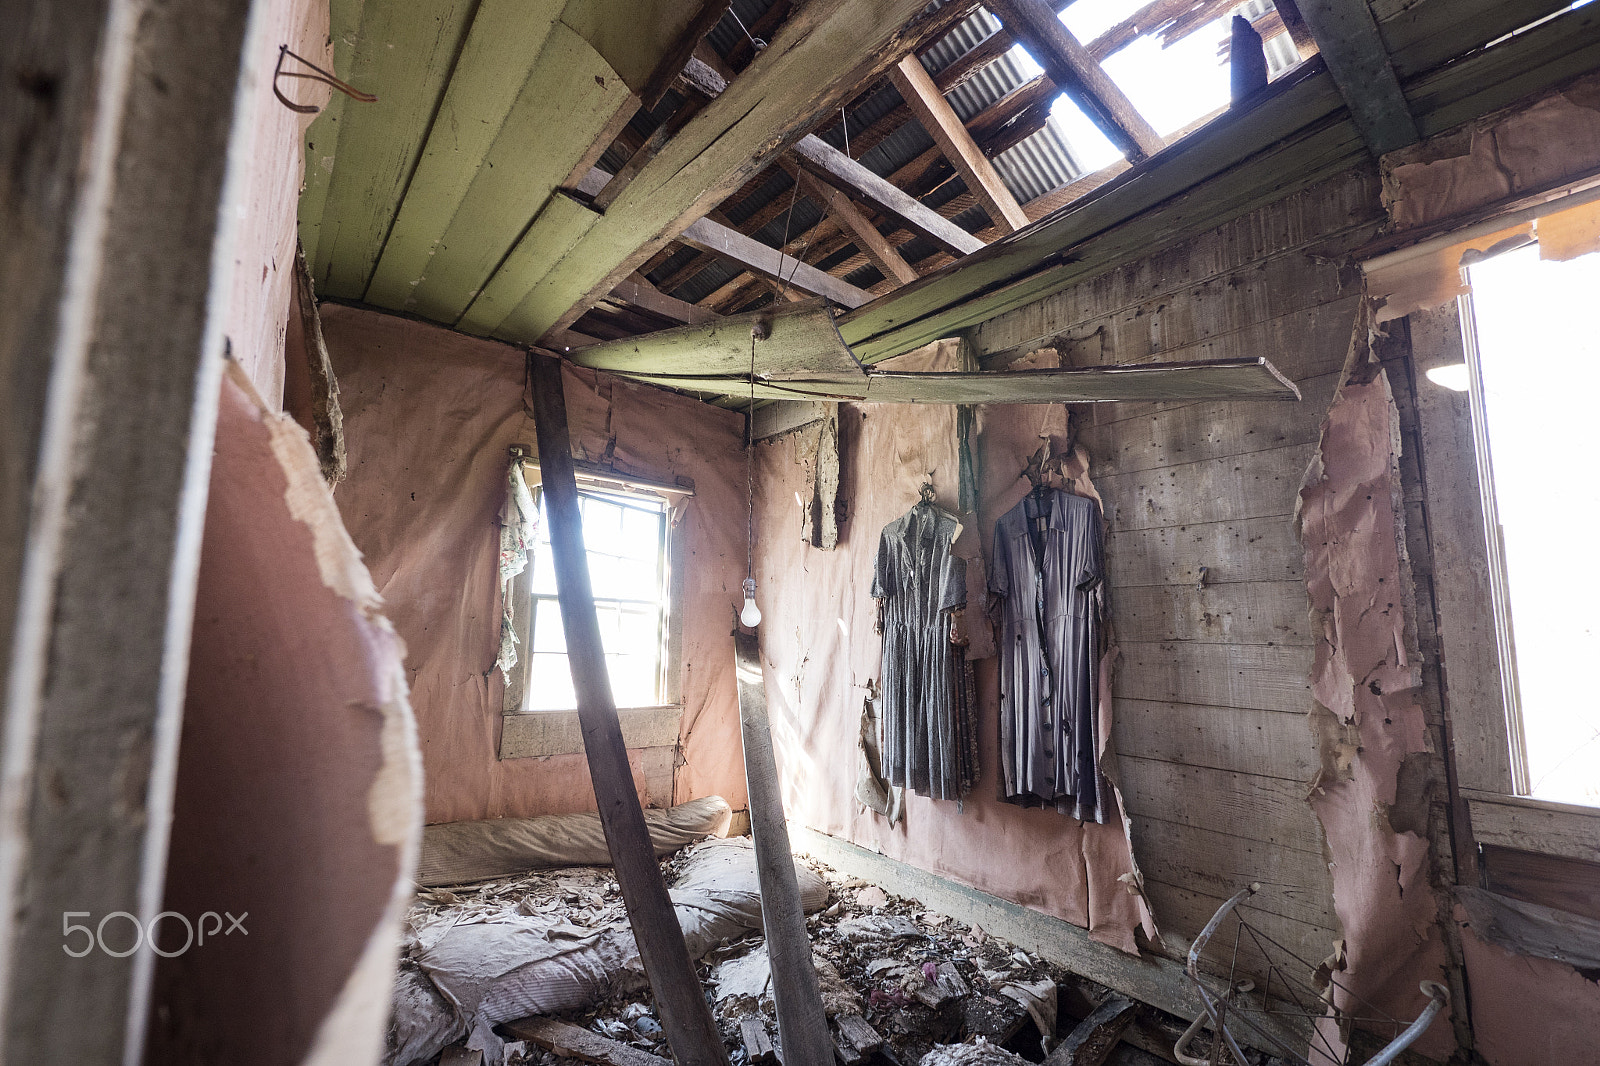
[(316, 73)]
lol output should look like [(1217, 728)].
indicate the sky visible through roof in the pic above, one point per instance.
[(1170, 87)]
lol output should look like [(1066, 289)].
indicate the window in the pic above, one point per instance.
[(1533, 373), (626, 538)]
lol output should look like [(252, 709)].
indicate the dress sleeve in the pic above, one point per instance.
[(1093, 573), (883, 583), (999, 572), (953, 591)]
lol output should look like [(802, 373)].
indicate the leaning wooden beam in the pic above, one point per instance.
[(1206, 379), (1295, 23), (802, 1025), (1075, 71), (873, 244), (690, 1029), (801, 341), (1348, 38), (942, 124), (845, 174), (822, 52), (749, 253)]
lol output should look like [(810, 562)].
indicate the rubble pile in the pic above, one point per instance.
[(901, 985)]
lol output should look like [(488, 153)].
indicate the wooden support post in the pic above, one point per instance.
[(936, 116), (802, 1026), (1079, 75), (690, 1029)]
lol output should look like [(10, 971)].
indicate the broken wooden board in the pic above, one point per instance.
[(803, 342), (757, 1043), (1210, 379), (1092, 1040), (855, 1030), (575, 1043)]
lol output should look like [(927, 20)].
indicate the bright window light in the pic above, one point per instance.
[(1539, 355)]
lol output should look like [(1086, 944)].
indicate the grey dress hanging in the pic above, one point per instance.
[(1046, 582), (926, 703)]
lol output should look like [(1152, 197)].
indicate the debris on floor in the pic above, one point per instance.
[(902, 986)]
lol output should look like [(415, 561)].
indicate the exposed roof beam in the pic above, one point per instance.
[(824, 50), (872, 243), (1349, 40), (673, 58), (638, 292), (845, 174), (942, 124), (1075, 71), (751, 254), (1295, 23)]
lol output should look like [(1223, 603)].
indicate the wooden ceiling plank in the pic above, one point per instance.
[(890, 263), (749, 253), (404, 53), (322, 137), (1075, 71), (562, 221), (835, 168), (1348, 39), (481, 94), (1425, 35), (802, 341), (570, 96), (942, 124), (823, 51)]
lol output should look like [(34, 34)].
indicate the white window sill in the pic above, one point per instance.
[(533, 734)]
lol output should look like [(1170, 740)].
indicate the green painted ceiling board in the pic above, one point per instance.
[(404, 53), (567, 100), (503, 47), (322, 138), (827, 47), (1432, 32), (632, 35), (802, 342), (1206, 379), (499, 309)]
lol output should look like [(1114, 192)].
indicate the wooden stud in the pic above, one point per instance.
[(685, 1017), (802, 1025), (327, 419), (1247, 61), (1295, 23), (942, 124), (1077, 73)]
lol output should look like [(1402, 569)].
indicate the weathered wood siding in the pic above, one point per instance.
[(1207, 581)]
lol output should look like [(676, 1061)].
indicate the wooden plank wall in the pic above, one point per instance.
[(1206, 575)]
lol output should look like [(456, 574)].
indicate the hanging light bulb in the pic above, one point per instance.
[(751, 615)]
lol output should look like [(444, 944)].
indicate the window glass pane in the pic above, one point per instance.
[(546, 622), (625, 542), (550, 684), (1539, 353)]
